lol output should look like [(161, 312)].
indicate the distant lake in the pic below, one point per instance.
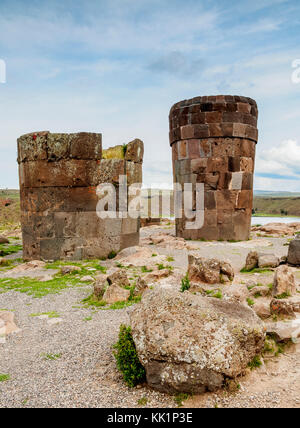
[(266, 220)]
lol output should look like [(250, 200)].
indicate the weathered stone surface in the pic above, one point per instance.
[(7, 323), (190, 343), (140, 286), (284, 281), (100, 286), (114, 293), (3, 240), (262, 309), (59, 179), (119, 277), (283, 308), (294, 252), (251, 261), (278, 229), (135, 151), (268, 261), (284, 330), (66, 270), (213, 143), (209, 271)]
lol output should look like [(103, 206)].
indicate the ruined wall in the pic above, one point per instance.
[(59, 174), (213, 142)]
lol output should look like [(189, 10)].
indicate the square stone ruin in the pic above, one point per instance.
[(59, 175)]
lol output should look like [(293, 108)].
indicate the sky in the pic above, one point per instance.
[(117, 67)]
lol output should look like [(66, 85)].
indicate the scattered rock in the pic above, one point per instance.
[(294, 252), (140, 287), (66, 270), (119, 278), (268, 261), (114, 293), (251, 261), (7, 324), (209, 271), (157, 275), (262, 309), (283, 308), (278, 229), (3, 240), (100, 286), (190, 343), (260, 291), (34, 269), (239, 292), (284, 281), (87, 278), (284, 330)]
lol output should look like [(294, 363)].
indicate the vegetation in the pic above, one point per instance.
[(127, 359), (51, 357), (276, 206), (255, 363), (250, 302), (52, 314), (7, 249), (179, 398), (4, 377), (185, 284)]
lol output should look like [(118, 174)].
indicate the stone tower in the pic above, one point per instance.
[(213, 140), (59, 175)]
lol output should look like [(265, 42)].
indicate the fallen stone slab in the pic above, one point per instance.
[(268, 261), (34, 269), (189, 343)]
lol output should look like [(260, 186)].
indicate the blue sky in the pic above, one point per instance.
[(117, 66)]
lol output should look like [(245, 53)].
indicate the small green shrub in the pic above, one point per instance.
[(255, 363), (127, 360), (112, 255), (179, 398), (283, 296), (144, 269), (250, 302), (185, 284)]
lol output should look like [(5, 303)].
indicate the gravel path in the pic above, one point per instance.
[(85, 375)]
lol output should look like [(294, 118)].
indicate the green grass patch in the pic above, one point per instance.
[(51, 357), (85, 266), (170, 259), (250, 302), (4, 377), (283, 296), (143, 401), (7, 249), (144, 269), (52, 314), (39, 289), (256, 270), (88, 319)]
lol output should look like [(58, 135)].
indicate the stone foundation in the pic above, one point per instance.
[(59, 175), (213, 142)]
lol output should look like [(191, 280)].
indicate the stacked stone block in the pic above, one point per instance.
[(213, 140), (59, 175)]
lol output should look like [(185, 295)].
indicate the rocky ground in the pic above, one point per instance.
[(62, 355)]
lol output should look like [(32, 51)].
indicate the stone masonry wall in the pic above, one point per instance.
[(59, 174), (213, 142)]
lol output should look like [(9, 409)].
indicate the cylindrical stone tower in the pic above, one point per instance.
[(213, 140), (59, 175)]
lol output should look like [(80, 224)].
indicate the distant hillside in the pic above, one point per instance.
[(270, 194), (277, 205)]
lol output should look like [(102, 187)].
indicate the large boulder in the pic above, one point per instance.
[(284, 281), (294, 252), (209, 271), (282, 308), (189, 343)]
